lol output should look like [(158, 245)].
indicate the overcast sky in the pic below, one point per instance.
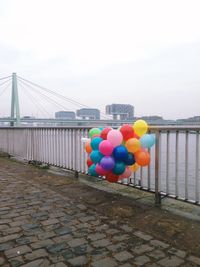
[(143, 53)]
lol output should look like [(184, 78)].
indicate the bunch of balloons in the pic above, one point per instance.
[(115, 154)]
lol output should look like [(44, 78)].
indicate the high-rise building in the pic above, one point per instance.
[(68, 115), (124, 111), (88, 113)]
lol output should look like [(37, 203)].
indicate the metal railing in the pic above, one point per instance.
[(174, 169)]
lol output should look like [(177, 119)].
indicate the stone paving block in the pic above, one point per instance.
[(4, 221), (62, 238), (82, 207), (78, 261), (10, 215), (102, 227), (18, 223), (59, 264), (46, 235), (121, 237), (172, 261), (126, 228), (159, 244), (57, 214), (81, 250), (30, 226), (3, 227), (112, 231), (143, 235), (96, 236), (26, 240), (42, 243), (56, 248), (116, 247), (12, 230), (194, 259), (101, 243), (156, 254), (37, 263), (123, 256), (68, 254), (87, 218), (20, 250), (141, 260), (63, 230), (177, 252), (83, 225), (106, 262), (22, 218), (15, 262), (125, 265), (7, 238), (2, 261), (6, 246), (33, 232), (77, 242), (142, 249), (55, 258), (49, 222), (36, 254)]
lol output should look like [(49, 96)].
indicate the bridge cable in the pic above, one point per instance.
[(34, 100), (5, 82), (5, 77), (4, 89), (47, 98), (61, 96)]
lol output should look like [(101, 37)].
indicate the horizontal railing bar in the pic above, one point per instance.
[(152, 128)]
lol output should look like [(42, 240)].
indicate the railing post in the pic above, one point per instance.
[(157, 178)]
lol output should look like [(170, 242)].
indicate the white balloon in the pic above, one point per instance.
[(84, 139)]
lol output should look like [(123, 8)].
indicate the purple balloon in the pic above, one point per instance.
[(107, 163)]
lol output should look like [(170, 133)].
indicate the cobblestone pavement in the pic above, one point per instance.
[(41, 226)]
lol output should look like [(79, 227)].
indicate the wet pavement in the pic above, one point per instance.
[(52, 220)]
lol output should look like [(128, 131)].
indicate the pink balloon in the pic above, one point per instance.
[(100, 170), (126, 174), (106, 148), (115, 137)]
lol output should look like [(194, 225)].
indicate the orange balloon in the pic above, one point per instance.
[(88, 147), (142, 158), (134, 167), (133, 145)]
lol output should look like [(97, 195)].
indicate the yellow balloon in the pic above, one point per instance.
[(132, 145), (140, 127), (134, 167)]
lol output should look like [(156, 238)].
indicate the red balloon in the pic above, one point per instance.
[(112, 178), (127, 131), (89, 162), (104, 132)]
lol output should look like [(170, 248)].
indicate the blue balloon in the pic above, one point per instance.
[(130, 159), (147, 140), (92, 171), (96, 156), (95, 143), (119, 167), (120, 152)]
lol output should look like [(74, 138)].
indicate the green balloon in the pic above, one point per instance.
[(94, 131)]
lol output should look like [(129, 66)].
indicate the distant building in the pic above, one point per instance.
[(68, 115), (88, 113), (124, 111)]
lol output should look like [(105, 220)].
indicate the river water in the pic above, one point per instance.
[(181, 165)]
